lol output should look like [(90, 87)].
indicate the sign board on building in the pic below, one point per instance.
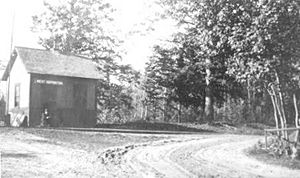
[(49, 82)]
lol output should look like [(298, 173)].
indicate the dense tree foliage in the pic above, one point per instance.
[(270, 53), (227, 44), (201, 54), (76, 26)]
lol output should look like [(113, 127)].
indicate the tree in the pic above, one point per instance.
[(76, 26), (174, 75), (159, 73), (269, 52), (83, 27), (205, 44)]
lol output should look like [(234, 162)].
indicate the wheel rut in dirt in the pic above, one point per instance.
[(197, 156)]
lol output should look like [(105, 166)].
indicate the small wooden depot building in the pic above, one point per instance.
[(64, 84)]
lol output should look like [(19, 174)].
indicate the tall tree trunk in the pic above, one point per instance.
[(249, 102), (296, 117), (143, 105), (109, 89), (296, 139), (279, 111), (164, 111), (209, 109), (142, 112), (164, 105), (275, 111), (179, 113), (146, 113), (282, 109)]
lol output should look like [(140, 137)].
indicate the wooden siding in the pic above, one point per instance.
[(70, 101), (19, 76)]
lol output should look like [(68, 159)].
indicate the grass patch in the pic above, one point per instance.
[(157, 126), (264, 156), (247, 129)]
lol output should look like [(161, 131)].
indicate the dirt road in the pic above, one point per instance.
[(197, 156), (28, 155)]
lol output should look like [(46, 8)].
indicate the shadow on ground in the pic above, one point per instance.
[(17, 155)]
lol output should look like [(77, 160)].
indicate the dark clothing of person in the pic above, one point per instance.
[(45, 120)]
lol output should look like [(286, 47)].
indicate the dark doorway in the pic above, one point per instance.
[(49, 98)]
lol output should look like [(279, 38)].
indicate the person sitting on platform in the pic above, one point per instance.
[(45, 119)]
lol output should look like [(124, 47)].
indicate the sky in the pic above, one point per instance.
[(129, 14)]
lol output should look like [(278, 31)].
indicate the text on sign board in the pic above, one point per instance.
[(49, 82)]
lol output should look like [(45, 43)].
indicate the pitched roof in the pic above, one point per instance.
[(53, 63)]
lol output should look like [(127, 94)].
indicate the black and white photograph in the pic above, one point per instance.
[(150, 88)]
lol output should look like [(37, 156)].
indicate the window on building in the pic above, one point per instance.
[(17, 95)]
